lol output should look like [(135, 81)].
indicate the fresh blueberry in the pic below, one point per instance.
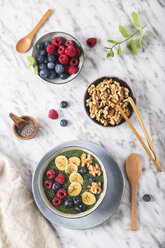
[(83, 170), (46, 43), (63, 104), (68, 203), (50, 65), (81, 207), (91, 180), (52, 74), (63, 75), (59, 69), (63, 123), (56, 186), (146, 198), (46, 60), (51, 58), (44, 73), (40, 59), (40, 46), (43, 52), (42, 66), (77, 200)]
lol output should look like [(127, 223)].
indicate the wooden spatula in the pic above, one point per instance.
[(133, 170)]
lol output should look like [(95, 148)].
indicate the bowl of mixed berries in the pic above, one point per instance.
[(73, 182), (59, 57)]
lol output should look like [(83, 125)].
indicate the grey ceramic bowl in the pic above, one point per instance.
[(49, 204), (65, 37), (122, 83)]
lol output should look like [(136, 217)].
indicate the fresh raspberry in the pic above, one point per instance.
[(61, 50), (64, 60), (61, 193), (66, 68), (68, 43), (56, 201), (53, 114), (50, 174), (57, 41), (72, 70), (91, 42), (48, 184), (50, 49), (70, 51), (60, 178), (73, 62), (77, 52)]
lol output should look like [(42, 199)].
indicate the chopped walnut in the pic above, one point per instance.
[(95, 188), (103, 100), (94, 170), (86, 159)]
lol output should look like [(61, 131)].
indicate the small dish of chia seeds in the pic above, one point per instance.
[(28, 131)]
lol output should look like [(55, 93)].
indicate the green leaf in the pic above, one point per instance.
[(31, 60), (135, 19), (132, 47), (112, 41), (36, 69), (140, 39), (110, 54), (107, 47), (123, 32), (119, 50)]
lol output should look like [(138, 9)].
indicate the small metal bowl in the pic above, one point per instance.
[(64, 36), (122, 83)]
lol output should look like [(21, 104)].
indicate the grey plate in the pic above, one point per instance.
[(111, 200)]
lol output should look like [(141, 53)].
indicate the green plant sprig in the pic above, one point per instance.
[(132, 44), (33, 63)]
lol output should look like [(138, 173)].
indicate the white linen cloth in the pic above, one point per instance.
[(21, 223)]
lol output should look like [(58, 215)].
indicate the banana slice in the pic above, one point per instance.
[(88, 198), (71, 168), (76, 177), (61, 162), (74, 160), (74, 189)]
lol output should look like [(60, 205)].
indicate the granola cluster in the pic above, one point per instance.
[(103, 99), (95, 188)]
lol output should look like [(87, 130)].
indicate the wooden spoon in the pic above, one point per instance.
[(133, 170), (24, 44), (19, 122)]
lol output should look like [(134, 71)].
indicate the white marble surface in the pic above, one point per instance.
[(22, 92)]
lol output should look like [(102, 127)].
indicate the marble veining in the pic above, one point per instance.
[(22, 92)]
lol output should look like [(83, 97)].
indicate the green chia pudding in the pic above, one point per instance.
[(73, 181)]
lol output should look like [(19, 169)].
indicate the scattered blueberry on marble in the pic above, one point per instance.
[(68, 203), (56, 186), (63, 104), (63, 123), (146, 198), (59, 69), (83, 170), (77, 200), (81, 207)]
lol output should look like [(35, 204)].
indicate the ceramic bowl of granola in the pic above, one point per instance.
[(73, 182), (101, 98)]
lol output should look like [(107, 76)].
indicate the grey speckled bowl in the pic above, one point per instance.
[(122, 83), (65, 36), (49, 204)]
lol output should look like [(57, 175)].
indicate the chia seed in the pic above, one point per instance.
[(28, 130)]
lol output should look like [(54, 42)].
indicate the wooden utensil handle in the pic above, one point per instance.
[(133, 210), (15, 118), (41, 22)]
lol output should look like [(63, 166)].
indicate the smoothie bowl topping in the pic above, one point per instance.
[(73, 183), (102, 99)]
